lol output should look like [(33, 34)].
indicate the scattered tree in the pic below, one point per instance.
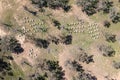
[(54, 4), (107, 51), (114, 16), (110, 37), (84, 57), (88, 6), (57, 23), (116, 65), (11, 44), (67, 39), (42, 43), (106, 6), (106, 24)]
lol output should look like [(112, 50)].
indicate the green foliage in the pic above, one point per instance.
[(81, 74), (110, 37), (40, 77), (42, 43), (106, 24), (86, 76), (84, 57), (67, 39), (116, 65), (10, 44), (106, 5), (114, 16), (54, 4), (56, 23), (107, 51), (88, 6), (54, 67)]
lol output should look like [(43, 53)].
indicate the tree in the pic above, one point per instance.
[(81, 74), (42, 43), (53, 66), (106, 24), (54, 4), (114, 16), (88, 6), (86, 76), (84, 57), (67, 39), (11, 44), (40, 77), (110, 37), (107, 51), (116, 65), (106, 6), (56, 23)]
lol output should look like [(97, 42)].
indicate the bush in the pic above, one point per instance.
[(86, 58), (106, 24), (54, 67), (107, 51), (116, 65), (40, 78), (86, 76), (54, 4), (106, 6), (67, 39), (42, 43), (114, 16), (88, 6), (10, 44), (56, 23), (4, 66), (110, 37), (81, 74)]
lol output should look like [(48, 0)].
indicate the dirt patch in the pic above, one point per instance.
[(2, 32), (30, 54)]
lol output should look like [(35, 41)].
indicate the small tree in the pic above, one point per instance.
[(67, 39), (106, 6), (106, 24), (84, 57), (54, 4), (110, 37), (107, 51), (42, 43), (88, 6), (56, 23), (10, 44), (116, 65), (114, 16)]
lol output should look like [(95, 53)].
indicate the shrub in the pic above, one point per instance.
[(42, 43), (54, 67), (86, 76), (67, 39), (107, 51), (106, 6), (88, 6), (84, 57), (106, 24), (10, 44), (54, 4), (110, 37), (114, 16), (56, 23), (116, 65)]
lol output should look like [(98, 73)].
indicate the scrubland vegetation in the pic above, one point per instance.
[(60, 40)]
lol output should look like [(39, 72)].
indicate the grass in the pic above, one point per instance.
[(17, 72), (8, 17), (79, 39)]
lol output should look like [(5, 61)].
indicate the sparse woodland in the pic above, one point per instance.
[(60, 40)]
